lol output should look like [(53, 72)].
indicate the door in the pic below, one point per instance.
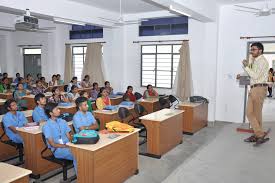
[(32, 61)]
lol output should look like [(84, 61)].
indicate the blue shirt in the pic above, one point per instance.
[(17, 120), (39, 114), (16, 80), (80, 119), (56, 130)]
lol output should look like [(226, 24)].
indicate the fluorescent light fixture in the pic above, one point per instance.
[(178, 11), (68, 21)]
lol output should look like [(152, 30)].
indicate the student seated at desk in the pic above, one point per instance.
[(39, 88), (83, 119), (57, 97), (29, 81), (73, 94), (129, 96), (89, 102), (150, 92), (73, 83), (103, 100), (23, 82), (5, 87), (57, 133), (38, 114), (59, 81), (44, 83), (13, 119), (109, 88), (53, 82), (18, 95), (95, 90), (86, 82), (17, 76)]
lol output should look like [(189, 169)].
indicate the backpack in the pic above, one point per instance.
[(67, 116), (86, 137)]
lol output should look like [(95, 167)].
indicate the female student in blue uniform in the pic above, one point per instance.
[(57, 133), (13, 119), (38, 114), (83, 119)]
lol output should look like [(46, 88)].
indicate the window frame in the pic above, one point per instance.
[(73, 54), (156, 61)]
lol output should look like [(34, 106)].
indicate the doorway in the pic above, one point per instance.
[(32, 61)]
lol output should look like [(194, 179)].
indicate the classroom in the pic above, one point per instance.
[(134, 91)]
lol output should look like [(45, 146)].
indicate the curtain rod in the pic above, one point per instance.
[(39, 45), (83, 43), (158, 41), (257, 37)]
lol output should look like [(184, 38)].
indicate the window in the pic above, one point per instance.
[(269, 52), (79, 54), (86, 32), (164, 26), (32, 51), (159, 64)]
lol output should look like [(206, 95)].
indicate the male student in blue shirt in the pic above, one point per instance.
[(83, 119), (13, 119), (38, 114), (57, 133)]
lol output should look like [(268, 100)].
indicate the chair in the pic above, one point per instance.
[(124, 113), (140, 110), (66, 164), (18, 146), (138, 95), (173, 99)]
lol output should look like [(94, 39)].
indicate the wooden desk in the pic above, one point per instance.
[(106, 116), (150, 104), (6, 95), (68, 109), (163, 131), (85, 89), (195, 116), (33, 145), (14, 174), (8, 151), (110, 160), (116, 100), (60, 87)]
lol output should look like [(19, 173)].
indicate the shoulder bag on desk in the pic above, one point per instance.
[(198, 99)]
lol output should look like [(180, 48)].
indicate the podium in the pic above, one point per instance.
[(245, 127)]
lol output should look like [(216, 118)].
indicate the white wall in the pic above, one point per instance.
[(232, 50), (203, 47)]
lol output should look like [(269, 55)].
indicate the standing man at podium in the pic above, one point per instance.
[(257, 69)]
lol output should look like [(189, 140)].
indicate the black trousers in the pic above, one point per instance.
[(270, 91)]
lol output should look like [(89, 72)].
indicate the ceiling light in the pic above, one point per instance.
[(68, 21), (178, 11)]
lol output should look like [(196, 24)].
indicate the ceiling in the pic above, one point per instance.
[(128, 6)]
